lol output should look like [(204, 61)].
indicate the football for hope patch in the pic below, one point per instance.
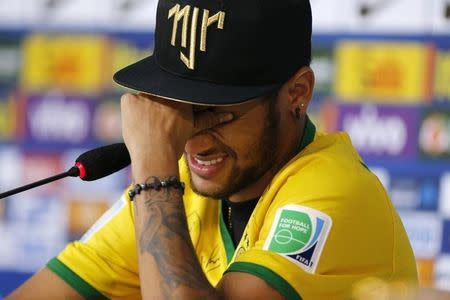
[(299, 234)]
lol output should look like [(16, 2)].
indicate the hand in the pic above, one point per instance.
[(155, 130)]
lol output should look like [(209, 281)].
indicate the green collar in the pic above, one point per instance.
[(308, 134)]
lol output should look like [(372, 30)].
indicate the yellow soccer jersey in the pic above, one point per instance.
[(324, 223)]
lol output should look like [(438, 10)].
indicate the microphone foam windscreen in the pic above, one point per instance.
[(103, 161)]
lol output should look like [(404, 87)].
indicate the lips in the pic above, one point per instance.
[(206, 167)]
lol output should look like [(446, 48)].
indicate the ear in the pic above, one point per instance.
[(300, 90)]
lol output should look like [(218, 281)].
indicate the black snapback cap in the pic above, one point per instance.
[(222, 52)]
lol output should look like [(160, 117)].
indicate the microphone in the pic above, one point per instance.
[(100, 162), (91, 165)]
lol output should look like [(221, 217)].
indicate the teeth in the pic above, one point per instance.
[(208, 162)]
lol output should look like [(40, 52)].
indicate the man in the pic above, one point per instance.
[(270, 208)]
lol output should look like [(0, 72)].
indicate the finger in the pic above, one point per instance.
[(126, 102), (127, 97), (147, 96), (208, 119)]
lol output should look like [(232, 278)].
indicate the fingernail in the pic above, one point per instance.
[(226, 117)]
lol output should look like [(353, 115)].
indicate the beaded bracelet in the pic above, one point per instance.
[(156, 184)]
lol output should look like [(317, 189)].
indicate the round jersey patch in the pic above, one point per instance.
[(299, 234)]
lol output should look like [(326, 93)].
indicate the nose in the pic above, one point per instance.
[(200, 144)]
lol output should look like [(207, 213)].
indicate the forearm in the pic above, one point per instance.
[(168, 265), (155, 132)]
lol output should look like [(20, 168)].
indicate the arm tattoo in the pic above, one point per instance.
[(165, 237)]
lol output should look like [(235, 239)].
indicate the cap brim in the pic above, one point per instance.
[(148, 77)]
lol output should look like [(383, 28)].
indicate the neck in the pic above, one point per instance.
[(253, 191)]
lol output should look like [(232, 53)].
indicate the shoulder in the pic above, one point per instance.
[(327, 168), (327, 197), (121, 210), (108, 247)]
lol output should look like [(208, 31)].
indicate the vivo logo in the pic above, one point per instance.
[(56, 119), (374, 133)]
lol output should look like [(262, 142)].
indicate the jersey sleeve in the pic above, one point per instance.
[(321, 233), (103, 263)]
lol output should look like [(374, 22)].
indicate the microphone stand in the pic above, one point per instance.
[(73, 172)]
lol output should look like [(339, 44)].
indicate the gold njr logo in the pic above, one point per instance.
[(207, 21)]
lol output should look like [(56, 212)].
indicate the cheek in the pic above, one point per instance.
[(244, 134), (242, 138)]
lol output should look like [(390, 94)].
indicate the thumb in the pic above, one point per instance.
[(207, 119)]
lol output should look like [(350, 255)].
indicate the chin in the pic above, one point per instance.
[(208, 188)]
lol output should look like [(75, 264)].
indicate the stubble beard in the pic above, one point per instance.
[(263, 152)]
